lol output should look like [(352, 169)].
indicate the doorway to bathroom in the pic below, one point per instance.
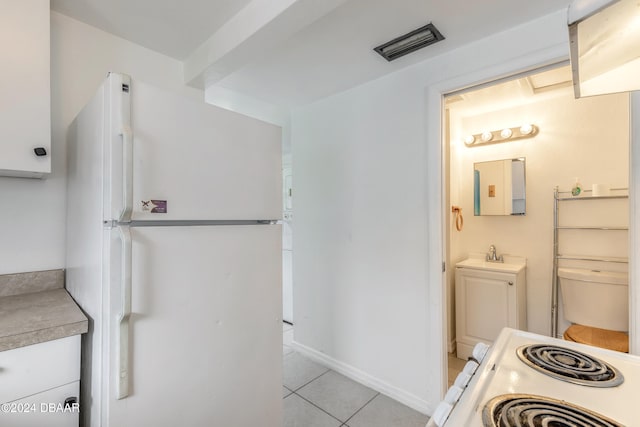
[(558, 142)]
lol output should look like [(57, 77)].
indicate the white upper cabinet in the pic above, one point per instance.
[(25, 95)]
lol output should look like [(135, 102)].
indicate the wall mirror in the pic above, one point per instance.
[(499, 187)]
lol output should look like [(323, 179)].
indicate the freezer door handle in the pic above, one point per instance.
[(125, 313), (127, 174)]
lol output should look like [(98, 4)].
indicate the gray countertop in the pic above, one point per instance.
[(47, 314)]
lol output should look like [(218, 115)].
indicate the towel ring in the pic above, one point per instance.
[(459, 220)]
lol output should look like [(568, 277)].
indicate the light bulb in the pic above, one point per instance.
[(486, 136), (469, 139), (506, 133), (526, 129)]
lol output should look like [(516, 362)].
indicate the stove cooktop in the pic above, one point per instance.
[(507, 370), (524, 410), (570, 365)]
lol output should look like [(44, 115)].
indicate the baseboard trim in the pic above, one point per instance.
[(451, 347), (368, 380)]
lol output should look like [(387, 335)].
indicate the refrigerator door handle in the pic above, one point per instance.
[(127, 172), (125, 314)]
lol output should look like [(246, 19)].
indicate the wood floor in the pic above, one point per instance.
[(455, 367)]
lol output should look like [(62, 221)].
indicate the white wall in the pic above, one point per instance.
[(586, 138), (362, 297), (359, 294), (32, 218)]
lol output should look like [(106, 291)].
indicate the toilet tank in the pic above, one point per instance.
[(595, 298)]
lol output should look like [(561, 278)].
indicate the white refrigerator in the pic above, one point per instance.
[(174, 254)]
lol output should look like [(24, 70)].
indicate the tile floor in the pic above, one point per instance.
[(315, 396)]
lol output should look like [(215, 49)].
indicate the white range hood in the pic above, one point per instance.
[(605, 46)]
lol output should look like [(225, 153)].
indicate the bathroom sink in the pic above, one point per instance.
[(511, 264)]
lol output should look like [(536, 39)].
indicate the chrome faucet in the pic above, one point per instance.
[(492, 257)]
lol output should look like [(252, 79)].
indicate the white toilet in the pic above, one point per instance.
[(597, 303)]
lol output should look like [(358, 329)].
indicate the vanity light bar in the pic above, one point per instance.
[(502, 135)]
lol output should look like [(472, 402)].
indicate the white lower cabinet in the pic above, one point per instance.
[(486, 302), (40, 384), (58, 407)]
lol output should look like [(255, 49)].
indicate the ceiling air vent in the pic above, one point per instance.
[(416, 39)]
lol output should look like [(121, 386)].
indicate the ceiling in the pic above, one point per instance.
[(292, 52), (156, 24), (509, 93)]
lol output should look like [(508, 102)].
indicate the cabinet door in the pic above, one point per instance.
[(485, 303), (25, 100), (25, 371)]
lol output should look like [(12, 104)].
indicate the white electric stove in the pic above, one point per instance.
[(526, 379)]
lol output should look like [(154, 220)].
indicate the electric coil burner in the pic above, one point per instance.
[(530, 380), (570, 365), (522, 410)]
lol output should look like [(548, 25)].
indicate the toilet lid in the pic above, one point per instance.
[(604, 338)]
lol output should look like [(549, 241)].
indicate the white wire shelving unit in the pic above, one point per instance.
[(565, 196)]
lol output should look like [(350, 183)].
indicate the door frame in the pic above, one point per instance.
[(436, 195)]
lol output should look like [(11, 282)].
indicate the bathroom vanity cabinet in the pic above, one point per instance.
[(489, 296)]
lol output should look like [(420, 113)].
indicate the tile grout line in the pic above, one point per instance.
[(310, 402), (342, 423), (363, 406), (309, 382), (313, 404)]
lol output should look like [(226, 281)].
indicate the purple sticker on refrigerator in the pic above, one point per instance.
[(154, 206)]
